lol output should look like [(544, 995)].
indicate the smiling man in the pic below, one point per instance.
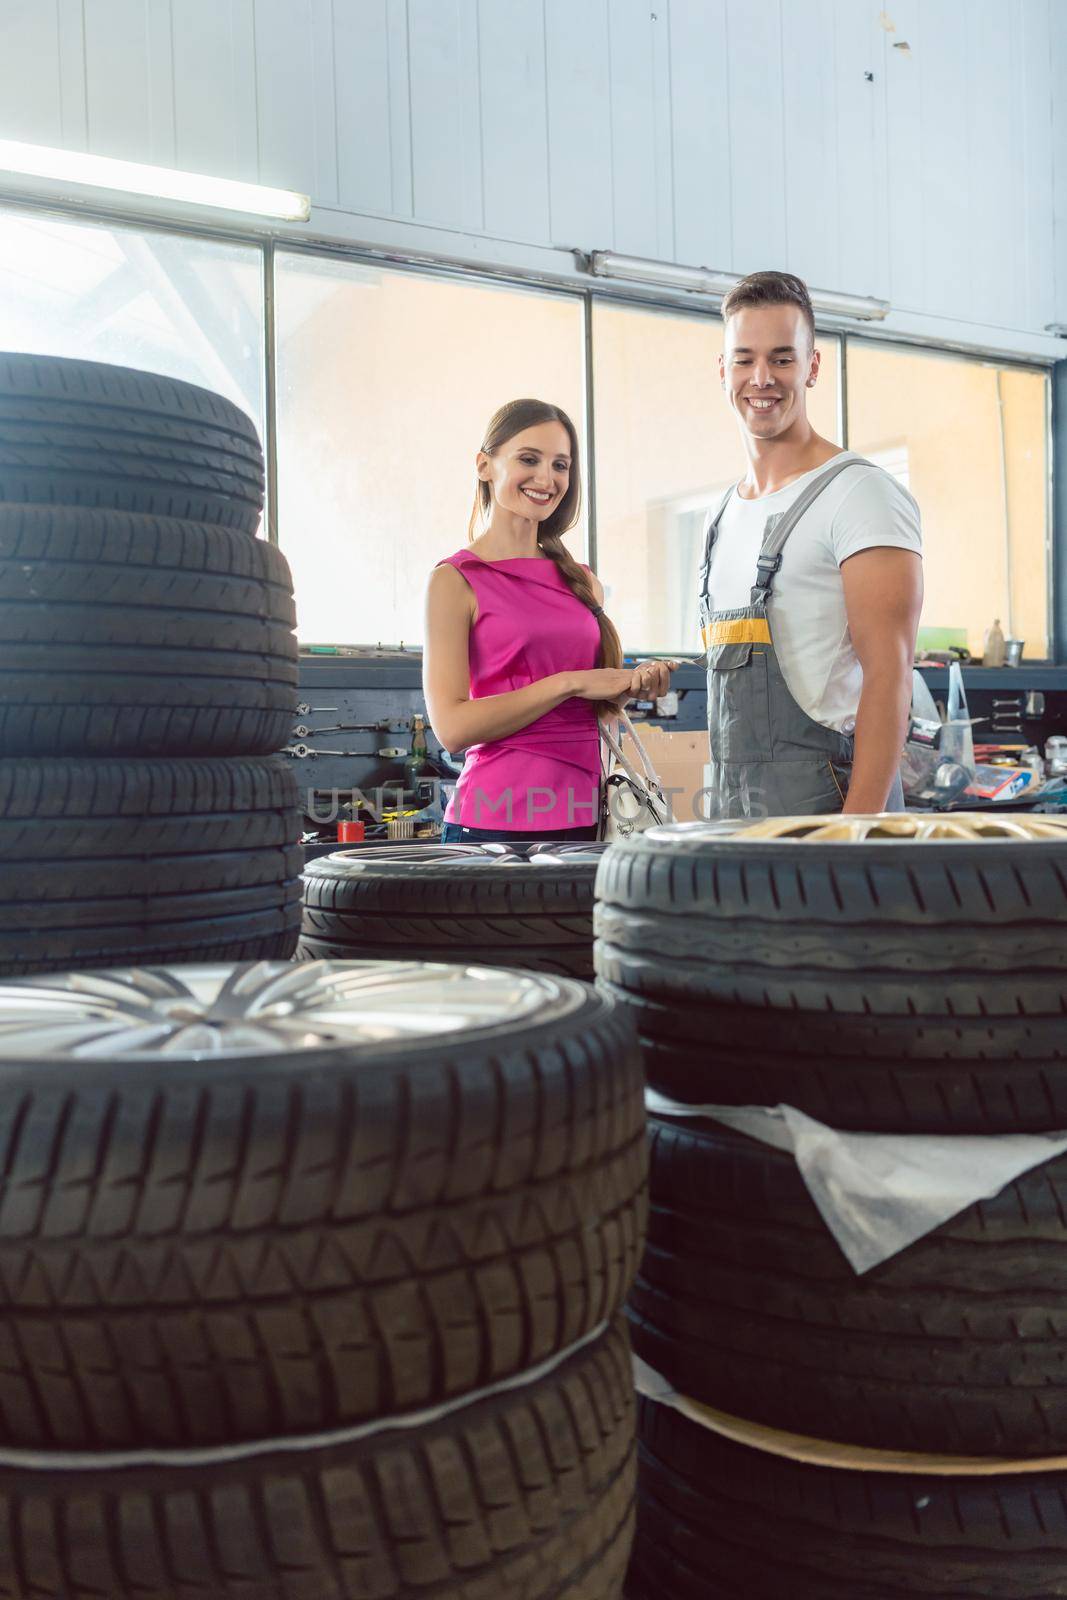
[(810, 589)]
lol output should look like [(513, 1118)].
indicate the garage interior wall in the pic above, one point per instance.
[(915, 150)]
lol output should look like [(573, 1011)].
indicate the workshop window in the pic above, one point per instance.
[(165, 302), (970, 439), (386, 382), (667, 448)]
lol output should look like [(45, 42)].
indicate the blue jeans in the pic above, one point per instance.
[(455, 833)]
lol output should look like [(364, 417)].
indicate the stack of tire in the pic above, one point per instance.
[(312, 1284), (523, 906), (147, 671), (901, 976)]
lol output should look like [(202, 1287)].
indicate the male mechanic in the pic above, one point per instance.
[(810, 588)]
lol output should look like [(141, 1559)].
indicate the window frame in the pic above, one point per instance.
[(1057, 459), (267, 243)]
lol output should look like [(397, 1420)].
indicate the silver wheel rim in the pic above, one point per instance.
[(261, 1008), (565, 855), (407, 855)]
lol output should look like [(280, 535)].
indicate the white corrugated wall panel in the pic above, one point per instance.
[(1038, 171), (716, 132), (446, 139), (363, 89), (30, 89), (215, 87), (700, 133), (861, 202), (578, 96), (809, 142), (514, 156), (1058, 54), (118, 84), (757, 134)]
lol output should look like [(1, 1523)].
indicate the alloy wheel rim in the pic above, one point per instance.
[(229, 1010)]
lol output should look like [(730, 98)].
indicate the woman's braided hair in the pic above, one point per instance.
[(515, 417)]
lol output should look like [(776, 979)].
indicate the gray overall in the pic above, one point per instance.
[(768, 757)]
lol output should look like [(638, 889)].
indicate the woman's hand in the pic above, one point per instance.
[(648, 680), (654, 678), (607, 683)]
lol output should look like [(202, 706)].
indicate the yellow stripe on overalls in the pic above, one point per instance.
[(742, 630)]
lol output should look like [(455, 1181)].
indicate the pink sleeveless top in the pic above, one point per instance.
[(530, 624)]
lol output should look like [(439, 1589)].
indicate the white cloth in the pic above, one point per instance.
[(879, 1192), (862, 508)]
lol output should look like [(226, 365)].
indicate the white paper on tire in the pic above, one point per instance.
[(879, 1192)]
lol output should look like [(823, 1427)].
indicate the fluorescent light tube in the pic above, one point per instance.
[(158, 183), (864, 307), (660, 274), (702, 280)]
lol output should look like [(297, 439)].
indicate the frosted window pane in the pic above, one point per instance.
[(942, 416), (163, 302), (386, 381)]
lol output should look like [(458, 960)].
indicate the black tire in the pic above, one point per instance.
[(107, 700), (298, 1221), (995, 973), (873, 1074), (887, 986), (84, 433), (558, 959), (59, 556), (527, 1495), (784, 925), (954, 1346), (111, 629), (107, 862), (720, 1521), (249, 924), (430, 905)]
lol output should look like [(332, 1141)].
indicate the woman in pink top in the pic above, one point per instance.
[(519, 657)]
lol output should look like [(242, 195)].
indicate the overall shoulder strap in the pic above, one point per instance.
[(779, 527), (710, 536)]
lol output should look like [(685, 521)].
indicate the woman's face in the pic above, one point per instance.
[(530, 472)]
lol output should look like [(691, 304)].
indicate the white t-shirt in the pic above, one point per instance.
[(862, 508)]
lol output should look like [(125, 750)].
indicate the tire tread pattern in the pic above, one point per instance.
[(295, 1244), (528, 1494)]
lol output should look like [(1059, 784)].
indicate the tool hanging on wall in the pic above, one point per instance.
[(302, 751)]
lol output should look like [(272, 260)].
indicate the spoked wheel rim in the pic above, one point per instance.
[(260, 1008)]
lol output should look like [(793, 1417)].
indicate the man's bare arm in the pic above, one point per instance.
[(883, 598)]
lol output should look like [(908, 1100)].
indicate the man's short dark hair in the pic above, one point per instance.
[(770, 289)]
